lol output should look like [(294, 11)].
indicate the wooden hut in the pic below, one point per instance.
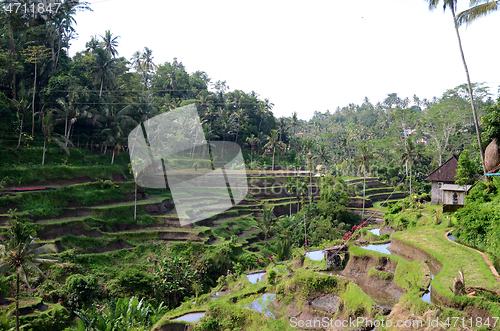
[(443, 175)]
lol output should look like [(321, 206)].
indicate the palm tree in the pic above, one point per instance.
[(480, 9), (35, 54), (300, 192), (264, 110), (273, 143), (452, 4), (117, 126), (109, 43), (410, 155), (22, 107), (363, 159), (295, 122), (143, 63), (103, 67), (252, 141), (267, 221), (290, 187), (69, 113), (20, 254), (240, 116), (92, 45)]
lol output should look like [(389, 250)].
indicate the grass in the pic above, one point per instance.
[(380, 274), (408, 275), (234, 226), (26, 174), (453, 257)]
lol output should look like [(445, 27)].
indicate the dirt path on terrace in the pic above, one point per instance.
[(484, 256)]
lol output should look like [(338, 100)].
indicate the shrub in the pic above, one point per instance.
[(80, 290), (271, 276)]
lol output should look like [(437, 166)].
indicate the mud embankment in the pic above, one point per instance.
[(385, 292)]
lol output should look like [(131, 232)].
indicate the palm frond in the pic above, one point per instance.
[(48, 260), (61, 145), (45, 249), (33, 267), (22, 274), (470, 15)]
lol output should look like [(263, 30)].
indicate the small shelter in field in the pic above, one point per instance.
[(320, 168), (443, 175), (454, 196)]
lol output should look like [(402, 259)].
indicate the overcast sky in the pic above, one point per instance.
[(305, 56)]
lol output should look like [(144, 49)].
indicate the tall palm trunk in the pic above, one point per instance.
[(273, 159), (469, 86), (17, 301), (410, 178), (20, 132), (364, 193), (44, 148), (33, 106), (135, 203)]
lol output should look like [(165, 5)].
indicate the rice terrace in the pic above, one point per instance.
[(141, 196)]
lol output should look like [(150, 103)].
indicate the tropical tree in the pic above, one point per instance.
[(363, 159), (452, 5), (103, 67), (264, 110), (240, 116), (35, 55), (92, 45), (267, 221), (174, 279), (300, 191), (410, 156), (20, 254), (252, 141), (272, 144), (290, 188), (69, 113), (22, 107), (109, 43)]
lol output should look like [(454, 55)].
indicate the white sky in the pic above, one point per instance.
[(305, 56)]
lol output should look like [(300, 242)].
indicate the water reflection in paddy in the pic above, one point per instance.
[(315, 255), (193, 317), (261, 304), (381, 248), (255, 277), (427, 295), (374, 231)]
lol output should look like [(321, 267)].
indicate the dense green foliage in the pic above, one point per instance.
[(478, 223)]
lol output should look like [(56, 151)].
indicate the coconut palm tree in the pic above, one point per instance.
[(91, 45), (290, 187), (300, 192), (240, 116), (109, 43), (103, 67), (20, 254), (252, 141), (267, 221), (410, 155), (22, 107), (273, 143), (363, 160), (264, 110), (35, 55), (452, 5), (147, 65)]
